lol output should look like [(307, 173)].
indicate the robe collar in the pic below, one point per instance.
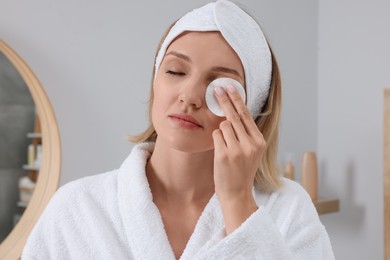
[(142, 220)]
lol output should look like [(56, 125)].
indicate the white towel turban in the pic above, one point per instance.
[(243, 34)]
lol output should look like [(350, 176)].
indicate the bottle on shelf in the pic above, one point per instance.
[(289, 167), (309, 178), (34, 151), (31, 155), (26, 189), (289, 170), (38, 157)]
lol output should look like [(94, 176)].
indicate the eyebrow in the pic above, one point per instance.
[(227, 70), (179, 55), (216, 69)]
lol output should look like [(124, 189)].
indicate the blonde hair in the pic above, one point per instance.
[(267, 174)]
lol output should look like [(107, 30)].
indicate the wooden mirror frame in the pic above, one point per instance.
[(49, 173)]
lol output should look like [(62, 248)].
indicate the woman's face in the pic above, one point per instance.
[(180, 115)]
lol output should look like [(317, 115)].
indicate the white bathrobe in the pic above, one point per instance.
[(112, 216)]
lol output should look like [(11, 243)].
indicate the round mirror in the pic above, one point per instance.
[(39, 149)]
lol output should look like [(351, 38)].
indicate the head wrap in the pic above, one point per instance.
[(243, 34)]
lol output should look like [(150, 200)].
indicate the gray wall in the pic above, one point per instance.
[(16, 120), (95, 58), (354, 68)]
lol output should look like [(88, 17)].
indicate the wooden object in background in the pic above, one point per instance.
[(289, 170), (324, 206), (309, 178), (386, 177), (49, 173)]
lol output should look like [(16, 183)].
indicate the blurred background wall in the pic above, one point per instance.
[(95, 58)]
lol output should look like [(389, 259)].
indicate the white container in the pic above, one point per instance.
[(26, 189), (25, 194), (31, 155), (37, 162)]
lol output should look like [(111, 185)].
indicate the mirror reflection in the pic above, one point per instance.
[(20, 146)]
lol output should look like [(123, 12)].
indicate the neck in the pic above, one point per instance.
[(178, 176)]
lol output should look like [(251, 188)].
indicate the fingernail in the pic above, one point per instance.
[(231, 89), (219, 91)]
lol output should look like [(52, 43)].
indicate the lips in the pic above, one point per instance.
[(185, 119)]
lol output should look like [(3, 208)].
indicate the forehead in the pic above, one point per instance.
[(205, 45)]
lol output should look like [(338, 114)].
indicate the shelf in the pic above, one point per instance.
[(325, 206), (22, 204), (30, 168), (34, 135)]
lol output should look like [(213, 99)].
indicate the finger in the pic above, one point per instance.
[(242, 111), (228, 134), (219, 142), (230, 112)]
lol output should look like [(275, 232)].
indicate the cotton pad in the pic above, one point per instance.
[(211, 100)]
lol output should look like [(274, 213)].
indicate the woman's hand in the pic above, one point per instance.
[(239, 148)]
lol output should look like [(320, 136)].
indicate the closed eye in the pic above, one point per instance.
[(175, 73)]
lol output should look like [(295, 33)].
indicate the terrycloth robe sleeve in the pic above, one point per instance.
[(285, 228), (80, 222)]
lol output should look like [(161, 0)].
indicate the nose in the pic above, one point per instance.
[(192, 94)]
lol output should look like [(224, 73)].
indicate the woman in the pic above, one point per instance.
[(198, 185)]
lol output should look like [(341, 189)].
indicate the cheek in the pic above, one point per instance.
[(162, 100), (163, 89), (160, 94), (158, 104), (215, 121)]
